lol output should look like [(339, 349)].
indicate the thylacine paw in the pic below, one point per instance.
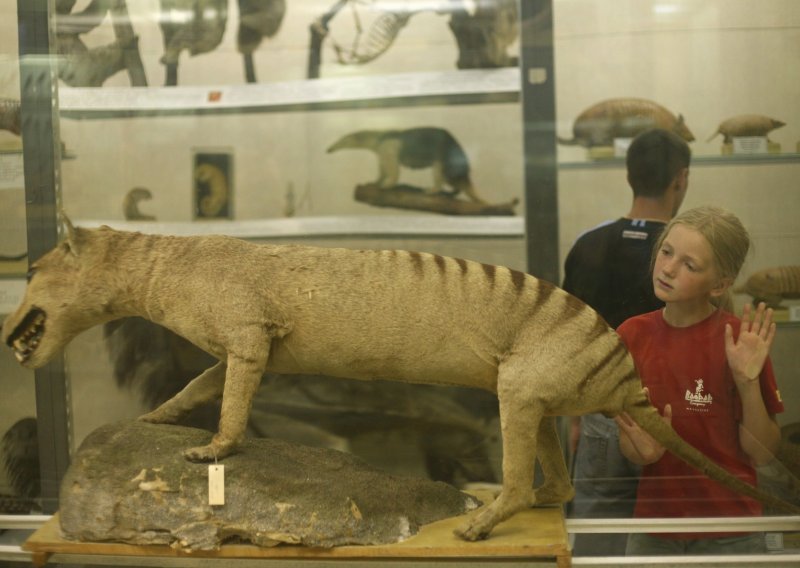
[(469, 532), (216, 450), (477, 526), (158, 416), (201, 454)]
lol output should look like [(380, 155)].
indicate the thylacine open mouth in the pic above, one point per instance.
[(26, 336)]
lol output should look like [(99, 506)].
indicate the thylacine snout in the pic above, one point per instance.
[(26, 335)]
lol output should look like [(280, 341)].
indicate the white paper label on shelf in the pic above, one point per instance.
[(216, 484), (11, 292), (621, 147), (794, 313), (11, 171), (750, 145), (537, 75)]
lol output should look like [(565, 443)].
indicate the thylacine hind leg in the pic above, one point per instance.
[(204, 388), (520, 415), (557, 487)]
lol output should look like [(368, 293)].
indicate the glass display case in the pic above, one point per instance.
[(492, 130)]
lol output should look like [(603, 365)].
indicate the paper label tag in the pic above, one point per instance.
[(621, 147), (794, 313), (216, 484), (11, 171), (750, 145)]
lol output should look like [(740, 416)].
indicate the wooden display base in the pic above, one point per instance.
[(601, 153), (772, 148), (12, 146), (14, 266), (535, 534), (404, 196)]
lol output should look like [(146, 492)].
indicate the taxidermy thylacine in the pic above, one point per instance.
[(415, 148), (362, 314)]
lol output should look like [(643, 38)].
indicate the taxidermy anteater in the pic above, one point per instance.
[(772, 285), (415, 148), (600, 124)]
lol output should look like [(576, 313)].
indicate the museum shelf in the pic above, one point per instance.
[(451, 87), (331, 226), (699, 160)]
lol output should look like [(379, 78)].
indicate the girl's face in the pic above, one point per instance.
[(684, 269)]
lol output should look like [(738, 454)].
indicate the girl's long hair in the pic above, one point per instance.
[(727, 236)]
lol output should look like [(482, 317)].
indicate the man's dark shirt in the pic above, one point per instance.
[(609, 269)]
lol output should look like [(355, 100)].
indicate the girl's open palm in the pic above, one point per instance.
[(747, 354)]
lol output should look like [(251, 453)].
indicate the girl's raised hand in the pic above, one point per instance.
[(747, 354)]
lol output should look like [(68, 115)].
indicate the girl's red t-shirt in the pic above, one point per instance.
[(687, 368)]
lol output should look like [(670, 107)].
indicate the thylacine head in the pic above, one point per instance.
[(63, 298)]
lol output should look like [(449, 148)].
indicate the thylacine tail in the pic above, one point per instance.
[(649, 420)]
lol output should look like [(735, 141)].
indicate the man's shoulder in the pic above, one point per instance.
[(637, 229), (603, 228)]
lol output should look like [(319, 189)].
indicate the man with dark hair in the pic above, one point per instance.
[(608, 267)]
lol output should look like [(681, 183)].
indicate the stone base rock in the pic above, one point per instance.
[(129, 482)]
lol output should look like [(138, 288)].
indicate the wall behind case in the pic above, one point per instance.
[(274, 152)]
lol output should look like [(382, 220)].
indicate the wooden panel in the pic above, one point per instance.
[(535, 533)]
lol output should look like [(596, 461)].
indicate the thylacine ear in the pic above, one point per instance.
[(71, 233)]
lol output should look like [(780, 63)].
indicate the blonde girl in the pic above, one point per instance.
[(710, 375)]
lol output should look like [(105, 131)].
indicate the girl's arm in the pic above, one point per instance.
[(759, 433)]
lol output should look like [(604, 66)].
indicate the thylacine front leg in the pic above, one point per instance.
[(206, 387), (242, 378)]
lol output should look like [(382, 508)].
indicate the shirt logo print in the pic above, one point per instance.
[(697, 398)]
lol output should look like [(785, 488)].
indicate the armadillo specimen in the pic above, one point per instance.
[(9, 115), (772, 285), (746, 125), (599, 124)]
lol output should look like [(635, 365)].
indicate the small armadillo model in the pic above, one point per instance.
[(601, 123), (746, 125), (772, 285)]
